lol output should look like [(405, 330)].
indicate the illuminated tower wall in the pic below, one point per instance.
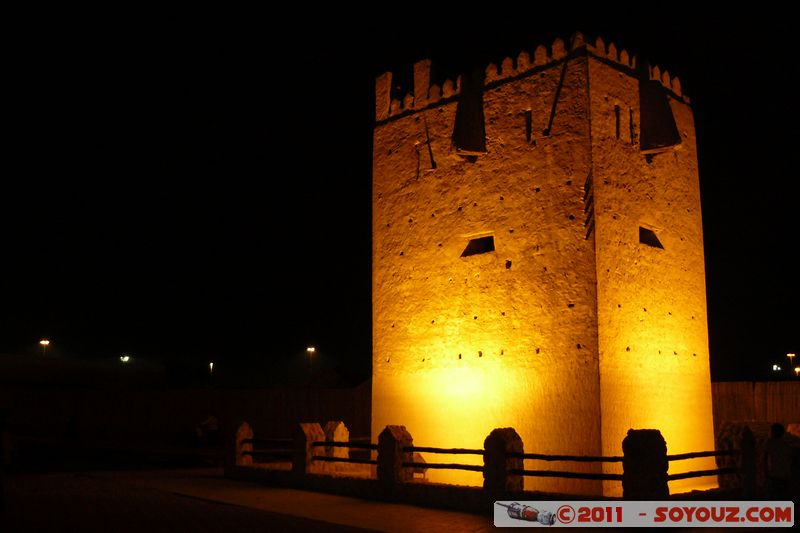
[(512, 284)]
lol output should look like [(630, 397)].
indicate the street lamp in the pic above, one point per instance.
[(211, 368), (125, 358), (797, 371), (311, 350), (791, 358), (44, 344)]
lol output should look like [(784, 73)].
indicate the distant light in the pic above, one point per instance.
[(797, 371), (125, 358), (44, 342), (311, 349), (790, 356), (211, 367), (776, 368)]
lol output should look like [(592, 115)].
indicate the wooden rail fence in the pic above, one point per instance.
[(395, 459)]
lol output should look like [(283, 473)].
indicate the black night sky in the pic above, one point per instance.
[(186, 189)]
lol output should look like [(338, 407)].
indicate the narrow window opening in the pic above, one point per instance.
[(481, 245), (630, 124), (658, 130), (616, 117), (649, 237), (528, 124), (469, 130)]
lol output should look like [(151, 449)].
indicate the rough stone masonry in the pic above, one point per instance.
[(538, 261)]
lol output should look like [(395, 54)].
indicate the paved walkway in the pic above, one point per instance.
[(189, 500)]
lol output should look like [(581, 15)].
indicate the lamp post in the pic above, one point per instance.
[(311, 350), (44, 343), (791, 358)]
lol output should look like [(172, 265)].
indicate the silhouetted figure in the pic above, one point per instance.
[(779, 464)]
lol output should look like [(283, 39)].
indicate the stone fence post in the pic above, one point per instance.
[(304, 436), (748, 463), (644, 465), (497, 466), (336, 431), (244, 432), (391, 456)]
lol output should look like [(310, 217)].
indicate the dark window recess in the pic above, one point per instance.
[(616, 116), (469, 131), (649, 237), (630, 124), (528, 124), (657, 127), (481, 245)]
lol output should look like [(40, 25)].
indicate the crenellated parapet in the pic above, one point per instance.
[(426, 94), (611, 53)]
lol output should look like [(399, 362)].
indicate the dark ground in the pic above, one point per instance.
[(62, 486), (72, 486), (86, 503), (92, 489)]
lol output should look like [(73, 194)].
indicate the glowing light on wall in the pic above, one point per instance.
[(650, 383), (453, 406), (456, 403)]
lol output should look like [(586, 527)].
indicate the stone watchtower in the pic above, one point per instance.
[(538, 261)]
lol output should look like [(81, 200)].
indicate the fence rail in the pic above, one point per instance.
[(398, 460), (269, 450), (454, 451), (344, 460), (444, 466), (578, 458), (694, 455), (701, 473), (568, 475), (276, 453), (352, 445)]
